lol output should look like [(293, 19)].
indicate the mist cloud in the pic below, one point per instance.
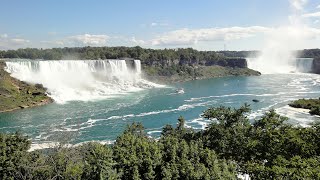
[(298, 4)]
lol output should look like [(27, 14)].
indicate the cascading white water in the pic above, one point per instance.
[(137, 65), (278, 53), (304, 65), (293, 65), (84, 80)]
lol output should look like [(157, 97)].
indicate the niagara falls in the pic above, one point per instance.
[(72, 80), (160, 90)]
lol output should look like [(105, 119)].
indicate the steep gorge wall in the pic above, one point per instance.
[(226, 62)]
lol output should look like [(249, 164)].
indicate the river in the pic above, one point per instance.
[(103, 120)]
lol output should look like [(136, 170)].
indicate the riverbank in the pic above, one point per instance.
[(311, 104), (15, 94)]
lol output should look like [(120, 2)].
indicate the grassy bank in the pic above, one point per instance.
[(15, 94), (312, 104)]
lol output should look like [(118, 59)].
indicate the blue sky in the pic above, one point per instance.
[(204, 25)]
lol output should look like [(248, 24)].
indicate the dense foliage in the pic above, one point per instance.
[(312, 104), (135, 52), (268, 148), (147, 56)]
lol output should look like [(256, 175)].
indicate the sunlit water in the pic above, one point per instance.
[(104, 120)]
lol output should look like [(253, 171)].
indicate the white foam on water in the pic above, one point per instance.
[(50, 144), (152, 132), (299, 115), (44, 145), (201, 121), (231, 95), (91, 122), (81, 80)]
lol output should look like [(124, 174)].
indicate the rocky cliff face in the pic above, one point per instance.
[(15, 94), (228, 62), (236, 63)]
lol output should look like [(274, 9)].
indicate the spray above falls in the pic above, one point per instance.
[(278, 54), (84, 80)]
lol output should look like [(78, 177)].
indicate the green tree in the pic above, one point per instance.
[(137, 156), (13, 150), (98, 162)]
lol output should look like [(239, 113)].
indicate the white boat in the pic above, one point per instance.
[(180, 91)]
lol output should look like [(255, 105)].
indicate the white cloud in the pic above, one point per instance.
[(77, 40), (190, 37), (301, 33), (315, 14), (7, 42), (318, 7), (54, 43), (19, 41), (88, 40), (138, 41), (316, 21), (155, 24)]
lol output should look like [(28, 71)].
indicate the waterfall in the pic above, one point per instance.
[(84, 80), (302, 65), (137, 65)]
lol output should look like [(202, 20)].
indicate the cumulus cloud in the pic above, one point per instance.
[(54, 43), (88, 40), (189, 37), (7, 42), (19, 41), (138, 41), (315, 14), (77, 40), (303, 33)]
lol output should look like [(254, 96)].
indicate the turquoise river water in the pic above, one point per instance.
[(104, 120)]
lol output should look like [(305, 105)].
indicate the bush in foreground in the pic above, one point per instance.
[(269, 148)]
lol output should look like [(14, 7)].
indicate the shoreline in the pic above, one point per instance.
[(42, 103), (16, 94), (167, 81)]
